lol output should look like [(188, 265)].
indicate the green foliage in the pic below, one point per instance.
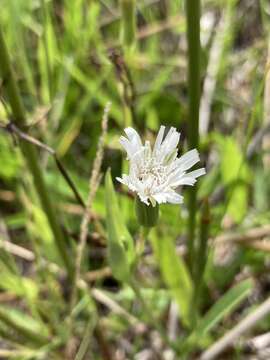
[(222, 308), (235, 176), (175, 274), (120, 246), (24, 324), (229, 301), (10, 163)]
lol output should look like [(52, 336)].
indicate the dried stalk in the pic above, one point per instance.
[(93, 186), (231, 336)]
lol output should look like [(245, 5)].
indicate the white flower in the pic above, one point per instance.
[(156, 174)]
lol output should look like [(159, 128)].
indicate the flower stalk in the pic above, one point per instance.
[(128, 9), (201, 253), (194, 49), (29, 152)]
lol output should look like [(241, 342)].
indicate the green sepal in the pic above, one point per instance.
[(147, 215)]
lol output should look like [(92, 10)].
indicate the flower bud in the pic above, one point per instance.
[(147, 215)]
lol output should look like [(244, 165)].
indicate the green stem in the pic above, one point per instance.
[(128, 9), (19, 118), (144, 232), (201, 254), (193, 38), (46, 47)]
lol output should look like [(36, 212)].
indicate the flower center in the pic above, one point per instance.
[(152, 174)]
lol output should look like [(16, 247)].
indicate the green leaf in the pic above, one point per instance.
[(120, 245), (174, 273), (24, 325), (234, 173), (21, 286), (225, 305), (10, 160)]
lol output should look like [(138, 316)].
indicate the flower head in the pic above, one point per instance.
[(155, 174)]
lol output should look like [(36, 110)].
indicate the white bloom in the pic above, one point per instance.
[(156, 174)]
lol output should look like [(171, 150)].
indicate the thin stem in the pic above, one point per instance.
[(85, 340), (19, 118), (201, 254), (144, 232), (128, 8), (193, 38), (46, 47), (93, 187), (13, 129)]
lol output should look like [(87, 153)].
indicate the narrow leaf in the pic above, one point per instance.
[(120, 243), (224, 306), (24, 325), (175, 274)]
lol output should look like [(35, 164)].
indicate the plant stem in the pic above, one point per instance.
[(141, 241), (201, 254), (45, 11), (29, 152), (193, 39), (128, 9)]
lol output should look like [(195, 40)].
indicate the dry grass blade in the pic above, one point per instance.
[(231, 336), (104, 299), (248, 236), (93, 186)]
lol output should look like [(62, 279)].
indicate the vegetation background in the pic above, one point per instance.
[(74, 285)]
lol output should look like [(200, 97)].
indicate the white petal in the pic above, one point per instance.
[(169, 196), (189, 178), (133, 137), (175, 198), (147, 150), (189, 159), (160, 198), (171, 141), (197, 173), (159, 139), (126, 145), (184, 181), (120, 180), (143, 198)]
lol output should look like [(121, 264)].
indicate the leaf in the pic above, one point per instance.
[(234, 173), (225, 305), (22, 287), (174, 273), (10, 161), (120, 246), (24, 325)]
